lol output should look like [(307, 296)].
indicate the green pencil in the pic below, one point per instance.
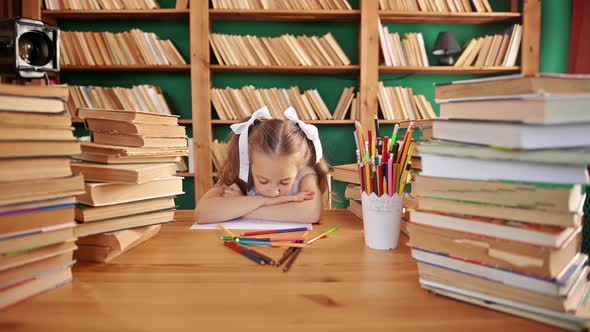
[(322, 235)]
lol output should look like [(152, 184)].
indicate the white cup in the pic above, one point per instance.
[(381, 219)]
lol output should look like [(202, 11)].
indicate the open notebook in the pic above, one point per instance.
[(252, 224)]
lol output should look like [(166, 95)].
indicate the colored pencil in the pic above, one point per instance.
[(286, 254), (291, 259), (244, 253), (273, 244), (266, 239), (390, 177), (393, 136), (225, 230), (267, 260), (333, 229), (274, 231)]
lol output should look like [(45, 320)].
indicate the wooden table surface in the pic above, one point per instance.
[(187, 280)]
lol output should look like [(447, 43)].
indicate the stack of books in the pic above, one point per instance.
[(407, 51), (285, 50), (129, 169), (500, 197), (282, 5), (37, 191), (134, 47), (100, 4), (437, 6), (400, 103), (140, 97), (236, 104), (496, 50)]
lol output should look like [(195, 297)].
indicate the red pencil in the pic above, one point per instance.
[(370, 139)]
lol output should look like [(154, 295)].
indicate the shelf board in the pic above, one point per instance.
[(186, 174), (185, 121), (387, 16), (128, 14), (318, 122), (285, 15), (406, 123), (321, 70), (65, 68), (447, 70)]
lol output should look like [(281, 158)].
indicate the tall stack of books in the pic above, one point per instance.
[(133, 47), (500, 197), (37, 191), (129, 170)]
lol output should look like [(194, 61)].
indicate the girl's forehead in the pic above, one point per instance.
[(267, 165)]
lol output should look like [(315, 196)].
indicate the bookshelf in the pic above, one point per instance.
[(367, 72), (161, 68)]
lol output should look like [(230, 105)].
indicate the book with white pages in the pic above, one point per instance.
[(540, 108), (513, 135), (541, 235), (560, 286), (482, 169)]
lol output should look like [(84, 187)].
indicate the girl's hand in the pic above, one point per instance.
[(232, 191), (302, 196)]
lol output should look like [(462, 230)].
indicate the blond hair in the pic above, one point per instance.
[(272, 137)]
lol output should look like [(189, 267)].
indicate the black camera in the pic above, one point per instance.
[(28, 48)]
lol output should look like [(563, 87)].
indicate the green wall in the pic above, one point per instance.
[(337, 140)]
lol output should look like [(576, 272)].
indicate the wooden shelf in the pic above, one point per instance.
[(185, 121), (406, 123), (318, 122), (186, 174), (446, 18), (128, 14), (285, 15), (183, 68), (447, 70), (321, 70)]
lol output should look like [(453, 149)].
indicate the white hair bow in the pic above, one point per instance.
[(310, 131), (242, 130)]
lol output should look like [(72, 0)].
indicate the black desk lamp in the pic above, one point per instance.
[(446, 47)]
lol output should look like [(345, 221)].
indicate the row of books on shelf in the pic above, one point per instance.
[(134, 47), (502, 227), (100, 4), (148, 98), (407, 51), (496, 50), (400, 103), (282, 5), (437, 6), (285, 50), (219, 152), (235, 104)]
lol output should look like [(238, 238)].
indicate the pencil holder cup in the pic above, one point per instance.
[(381, 219)]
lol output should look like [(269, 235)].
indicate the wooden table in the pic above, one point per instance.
[(187, 280)]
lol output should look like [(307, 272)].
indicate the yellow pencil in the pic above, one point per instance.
[(404, 171), (225, 230)]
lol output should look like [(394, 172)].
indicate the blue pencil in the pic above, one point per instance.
[(274, 231)]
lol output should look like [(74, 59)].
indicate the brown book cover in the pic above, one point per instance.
[(85, 213), (105, 247), (12, 133), (124, 173), (22, 169), (129, 116), (32, 255), (101, 194), (116, 224), (20, 223), (39, 189), (514, 85), (544, 262)]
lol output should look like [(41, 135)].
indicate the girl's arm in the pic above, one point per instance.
[(307, 211), (214, 207)]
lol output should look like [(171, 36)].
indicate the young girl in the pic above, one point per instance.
[(274, 171)]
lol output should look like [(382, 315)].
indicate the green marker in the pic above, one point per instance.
[(393, 136)]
